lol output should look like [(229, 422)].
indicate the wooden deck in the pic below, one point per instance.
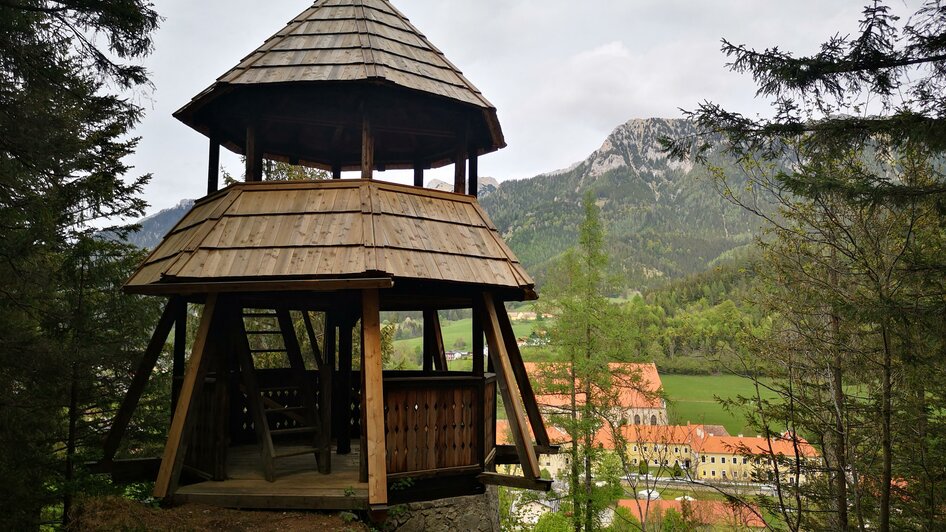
[(298, 485)]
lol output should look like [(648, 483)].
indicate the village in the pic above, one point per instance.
[(687, 461)]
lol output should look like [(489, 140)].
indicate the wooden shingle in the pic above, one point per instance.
[(311, 230)]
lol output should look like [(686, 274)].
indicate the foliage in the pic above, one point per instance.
[(67, 336), (553, 522), (852, 266)]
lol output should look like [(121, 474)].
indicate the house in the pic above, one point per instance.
[(707, 513), (746, 459), (636, 387), (556, 464)]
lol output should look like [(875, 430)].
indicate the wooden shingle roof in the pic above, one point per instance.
[(308, 87), (349, 40), (338, 229)]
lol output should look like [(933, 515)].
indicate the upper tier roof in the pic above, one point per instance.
[(338, 229), (329, 65)]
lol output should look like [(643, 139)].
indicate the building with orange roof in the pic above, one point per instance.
[(636, 387), (705, 513), (744, 459)]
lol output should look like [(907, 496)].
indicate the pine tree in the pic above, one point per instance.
[(62, 177)]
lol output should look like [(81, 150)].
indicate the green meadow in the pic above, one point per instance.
[(460, 329), (693, 398)]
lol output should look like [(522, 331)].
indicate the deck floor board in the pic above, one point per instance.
[(298, 483)]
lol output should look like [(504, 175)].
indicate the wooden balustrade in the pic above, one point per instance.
[(433, 424)]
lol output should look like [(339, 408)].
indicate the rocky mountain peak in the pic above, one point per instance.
[(635, 145)]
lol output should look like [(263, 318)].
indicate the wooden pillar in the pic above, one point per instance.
[(478, 350), (507, 387), (254, 155), (474, 172), (418, 174), (435, 357), (180, 350), (373, 394), (459, 166), (326, 374), (138, 382), (213, 165), (176, 447), (221, 399), (337, 172), (343, 438), (367, 149)]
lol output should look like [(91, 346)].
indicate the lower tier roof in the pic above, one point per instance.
[(334, 229)]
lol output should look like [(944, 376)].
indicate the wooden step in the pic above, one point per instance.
[(294, 430), (296, 452)]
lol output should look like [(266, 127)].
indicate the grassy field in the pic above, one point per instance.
[(462, 329), (693, 398)]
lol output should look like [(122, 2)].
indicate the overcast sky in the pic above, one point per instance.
[(562, 73)]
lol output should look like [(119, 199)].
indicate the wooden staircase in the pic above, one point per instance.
[(283, 428)]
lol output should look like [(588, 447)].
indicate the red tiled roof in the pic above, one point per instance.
[(638, 385), (504, 435), (756, 445), (703, 512)]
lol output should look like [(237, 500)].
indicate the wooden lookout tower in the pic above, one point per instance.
[(284, 401)]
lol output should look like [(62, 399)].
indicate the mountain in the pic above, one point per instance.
[(154, 227), (665, 219), (485, 185)]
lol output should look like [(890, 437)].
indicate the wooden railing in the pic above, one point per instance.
[(437, 424), (434, 423)]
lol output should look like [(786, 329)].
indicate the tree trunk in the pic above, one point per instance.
[(71, 444), (887, 447), (576, 498)]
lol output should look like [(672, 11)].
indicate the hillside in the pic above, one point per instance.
[(665, 219)]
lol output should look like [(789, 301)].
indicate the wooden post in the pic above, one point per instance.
[(367, 149), (254, 155), (507, 386), (336, 172), (176, 447), (434, 353), (343, 438), (474, 188), (522, 378), (418, 174), (326, 372), (459, 166), (213, 165), (180, 351), (373, 392), (478, 351), (221, 402), (139, 381)]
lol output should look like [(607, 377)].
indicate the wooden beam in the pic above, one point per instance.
[(336, 172), (434, 353), (522, 378), (180, 351), (326, 372), (176, 447), (418, 174), (221, 398), (474, 172), (374, 397), (510, 481), (459, 165), (478, 352), (343, 438), (313, 341), (237, 327), (213, 165), (310, 285), (140, 380), (367, 149), (508, 454), (508, 389), (254, 155)]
